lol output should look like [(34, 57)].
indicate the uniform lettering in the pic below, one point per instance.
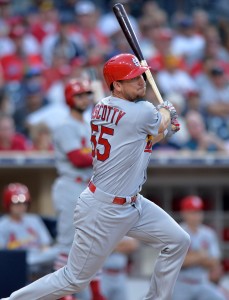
[(107, 113), (115, 111), (120, 115), (104, 113)]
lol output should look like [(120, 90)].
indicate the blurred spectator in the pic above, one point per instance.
[(96, 43), (25, 42), (223, 26), (108, 24), (213, 50), (55, 92), (41, 137), (200, 138), (203, 255), (187, 43), (172, 78), (43, 20), (63, 43), (22, 230), (178, 101), (114, 278), (201, 21), (26, 55), (192, 100), (152, 22), (6, 44), (214, 47), (5, 103), (34, 99), (10, 140), (67, 6), (161, 39), (5, 9), (214, 98)]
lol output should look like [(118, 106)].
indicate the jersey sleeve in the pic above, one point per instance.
[(149, 118), (67, 139)]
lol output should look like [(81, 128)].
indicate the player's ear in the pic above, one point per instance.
[(117, 85)]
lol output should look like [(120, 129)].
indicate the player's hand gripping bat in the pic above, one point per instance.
[(130, 35)]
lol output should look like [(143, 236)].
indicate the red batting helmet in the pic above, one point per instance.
[(122, 67), (15, 193), (76, 87), (192, 203)]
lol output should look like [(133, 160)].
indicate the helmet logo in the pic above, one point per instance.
[(136, 62)]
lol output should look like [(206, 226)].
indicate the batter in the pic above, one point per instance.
[(123, 126)]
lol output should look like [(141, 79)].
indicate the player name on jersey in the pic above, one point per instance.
[(107, 113)]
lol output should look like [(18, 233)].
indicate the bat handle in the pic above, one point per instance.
[(153, 85), (152, 82)]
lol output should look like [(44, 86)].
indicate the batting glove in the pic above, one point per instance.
[(173, 127), (168, 105)]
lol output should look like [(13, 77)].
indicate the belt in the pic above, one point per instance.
[(116, 200)]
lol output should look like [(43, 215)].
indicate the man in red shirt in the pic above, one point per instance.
[(10, 140)]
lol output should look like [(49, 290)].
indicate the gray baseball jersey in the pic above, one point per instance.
[(115, 145)]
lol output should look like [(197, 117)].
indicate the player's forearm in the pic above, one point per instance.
[(165, 120), (80, 159), (192, 258), (209, 262)]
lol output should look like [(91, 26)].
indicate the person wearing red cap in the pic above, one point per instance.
[(203, 255), (20, 229)]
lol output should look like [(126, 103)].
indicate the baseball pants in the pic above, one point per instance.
[(100, 225)]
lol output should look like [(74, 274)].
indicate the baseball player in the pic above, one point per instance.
[(123, 126), (203, 255), (74, 166), (22, 230)]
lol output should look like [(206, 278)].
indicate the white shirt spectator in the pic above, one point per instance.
[(176, 81)]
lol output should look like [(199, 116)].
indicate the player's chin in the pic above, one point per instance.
[(141, 92)]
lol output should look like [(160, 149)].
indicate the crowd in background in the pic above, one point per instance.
[(43, 43)]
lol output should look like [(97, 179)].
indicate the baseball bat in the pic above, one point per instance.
[(131, 37)]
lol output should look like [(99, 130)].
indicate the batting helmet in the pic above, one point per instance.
[(192, 203), (121, 67), (15, 193), (76, 87)]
